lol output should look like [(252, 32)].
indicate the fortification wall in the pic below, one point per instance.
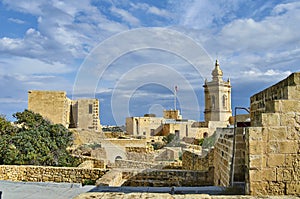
[(273, 144), (263, 102), (49, 174)]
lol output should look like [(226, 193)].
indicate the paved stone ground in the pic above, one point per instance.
[(42, 190), (169, 196), (36, 190)]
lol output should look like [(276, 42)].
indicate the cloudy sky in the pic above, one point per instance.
[(131, 54)]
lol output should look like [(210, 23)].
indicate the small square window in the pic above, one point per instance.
[(90, 108)]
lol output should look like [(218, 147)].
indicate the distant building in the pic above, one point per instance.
[(56, 107), (144, 126), (217, 113), (85, 114)]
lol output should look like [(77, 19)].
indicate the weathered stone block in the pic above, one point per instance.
[(290, 105), (275, 160), (255, 175), (284, 175), (293, 188), (270, 119), (292, 160), (293, 133), (256, 147), (259, 188), (276, 188), (276, 133), (273, 106), (283, 147), (255, 161), (256, 133), (273, 147), (288, 119), (268, 174)]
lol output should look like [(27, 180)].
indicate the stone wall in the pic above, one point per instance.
[(193, 160), (168, 154), (53, 105), (134, 164), (91, 162), (168, 178), (85, 114), (143, 157), (273, 144), (263, 102), (147, 149), (223, 156), (49, 174)]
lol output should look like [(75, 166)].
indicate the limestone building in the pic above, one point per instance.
[(172, 122), (85, 114), (217, 113), (53, 105), (217, 97), (59, 109), (148, 125)]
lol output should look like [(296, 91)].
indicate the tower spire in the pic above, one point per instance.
[(217, 73)]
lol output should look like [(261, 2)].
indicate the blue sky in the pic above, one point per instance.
[(44, 44)]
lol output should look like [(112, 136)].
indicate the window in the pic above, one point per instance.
[(213, 102), (152, 132), (224, 100), (177, 133), (90, 108)]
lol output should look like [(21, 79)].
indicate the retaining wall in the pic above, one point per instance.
[(49, 174)]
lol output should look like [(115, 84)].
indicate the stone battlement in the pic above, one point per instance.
[(266, 101)]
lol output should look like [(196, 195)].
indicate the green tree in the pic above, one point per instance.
[(35, 142)]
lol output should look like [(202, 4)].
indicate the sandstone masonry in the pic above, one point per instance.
[(49, 174), (273, 143)]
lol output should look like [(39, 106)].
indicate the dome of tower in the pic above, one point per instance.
[(217, 72)]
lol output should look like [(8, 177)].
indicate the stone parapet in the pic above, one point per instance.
[(168, 178), (273, 142), (49, 174), (270, 99)]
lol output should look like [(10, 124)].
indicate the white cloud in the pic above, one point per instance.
[(159, 12), (126, 16), (32, 7), (17, 21), (28, 66), (151, 9), (276, 31), (65, 31)]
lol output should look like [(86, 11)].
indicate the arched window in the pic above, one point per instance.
[(205, 135), (224, 101), (118, 158)]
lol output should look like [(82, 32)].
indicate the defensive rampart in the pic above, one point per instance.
[(273, 143)]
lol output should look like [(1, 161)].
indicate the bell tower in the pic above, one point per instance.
[(217, 97)]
